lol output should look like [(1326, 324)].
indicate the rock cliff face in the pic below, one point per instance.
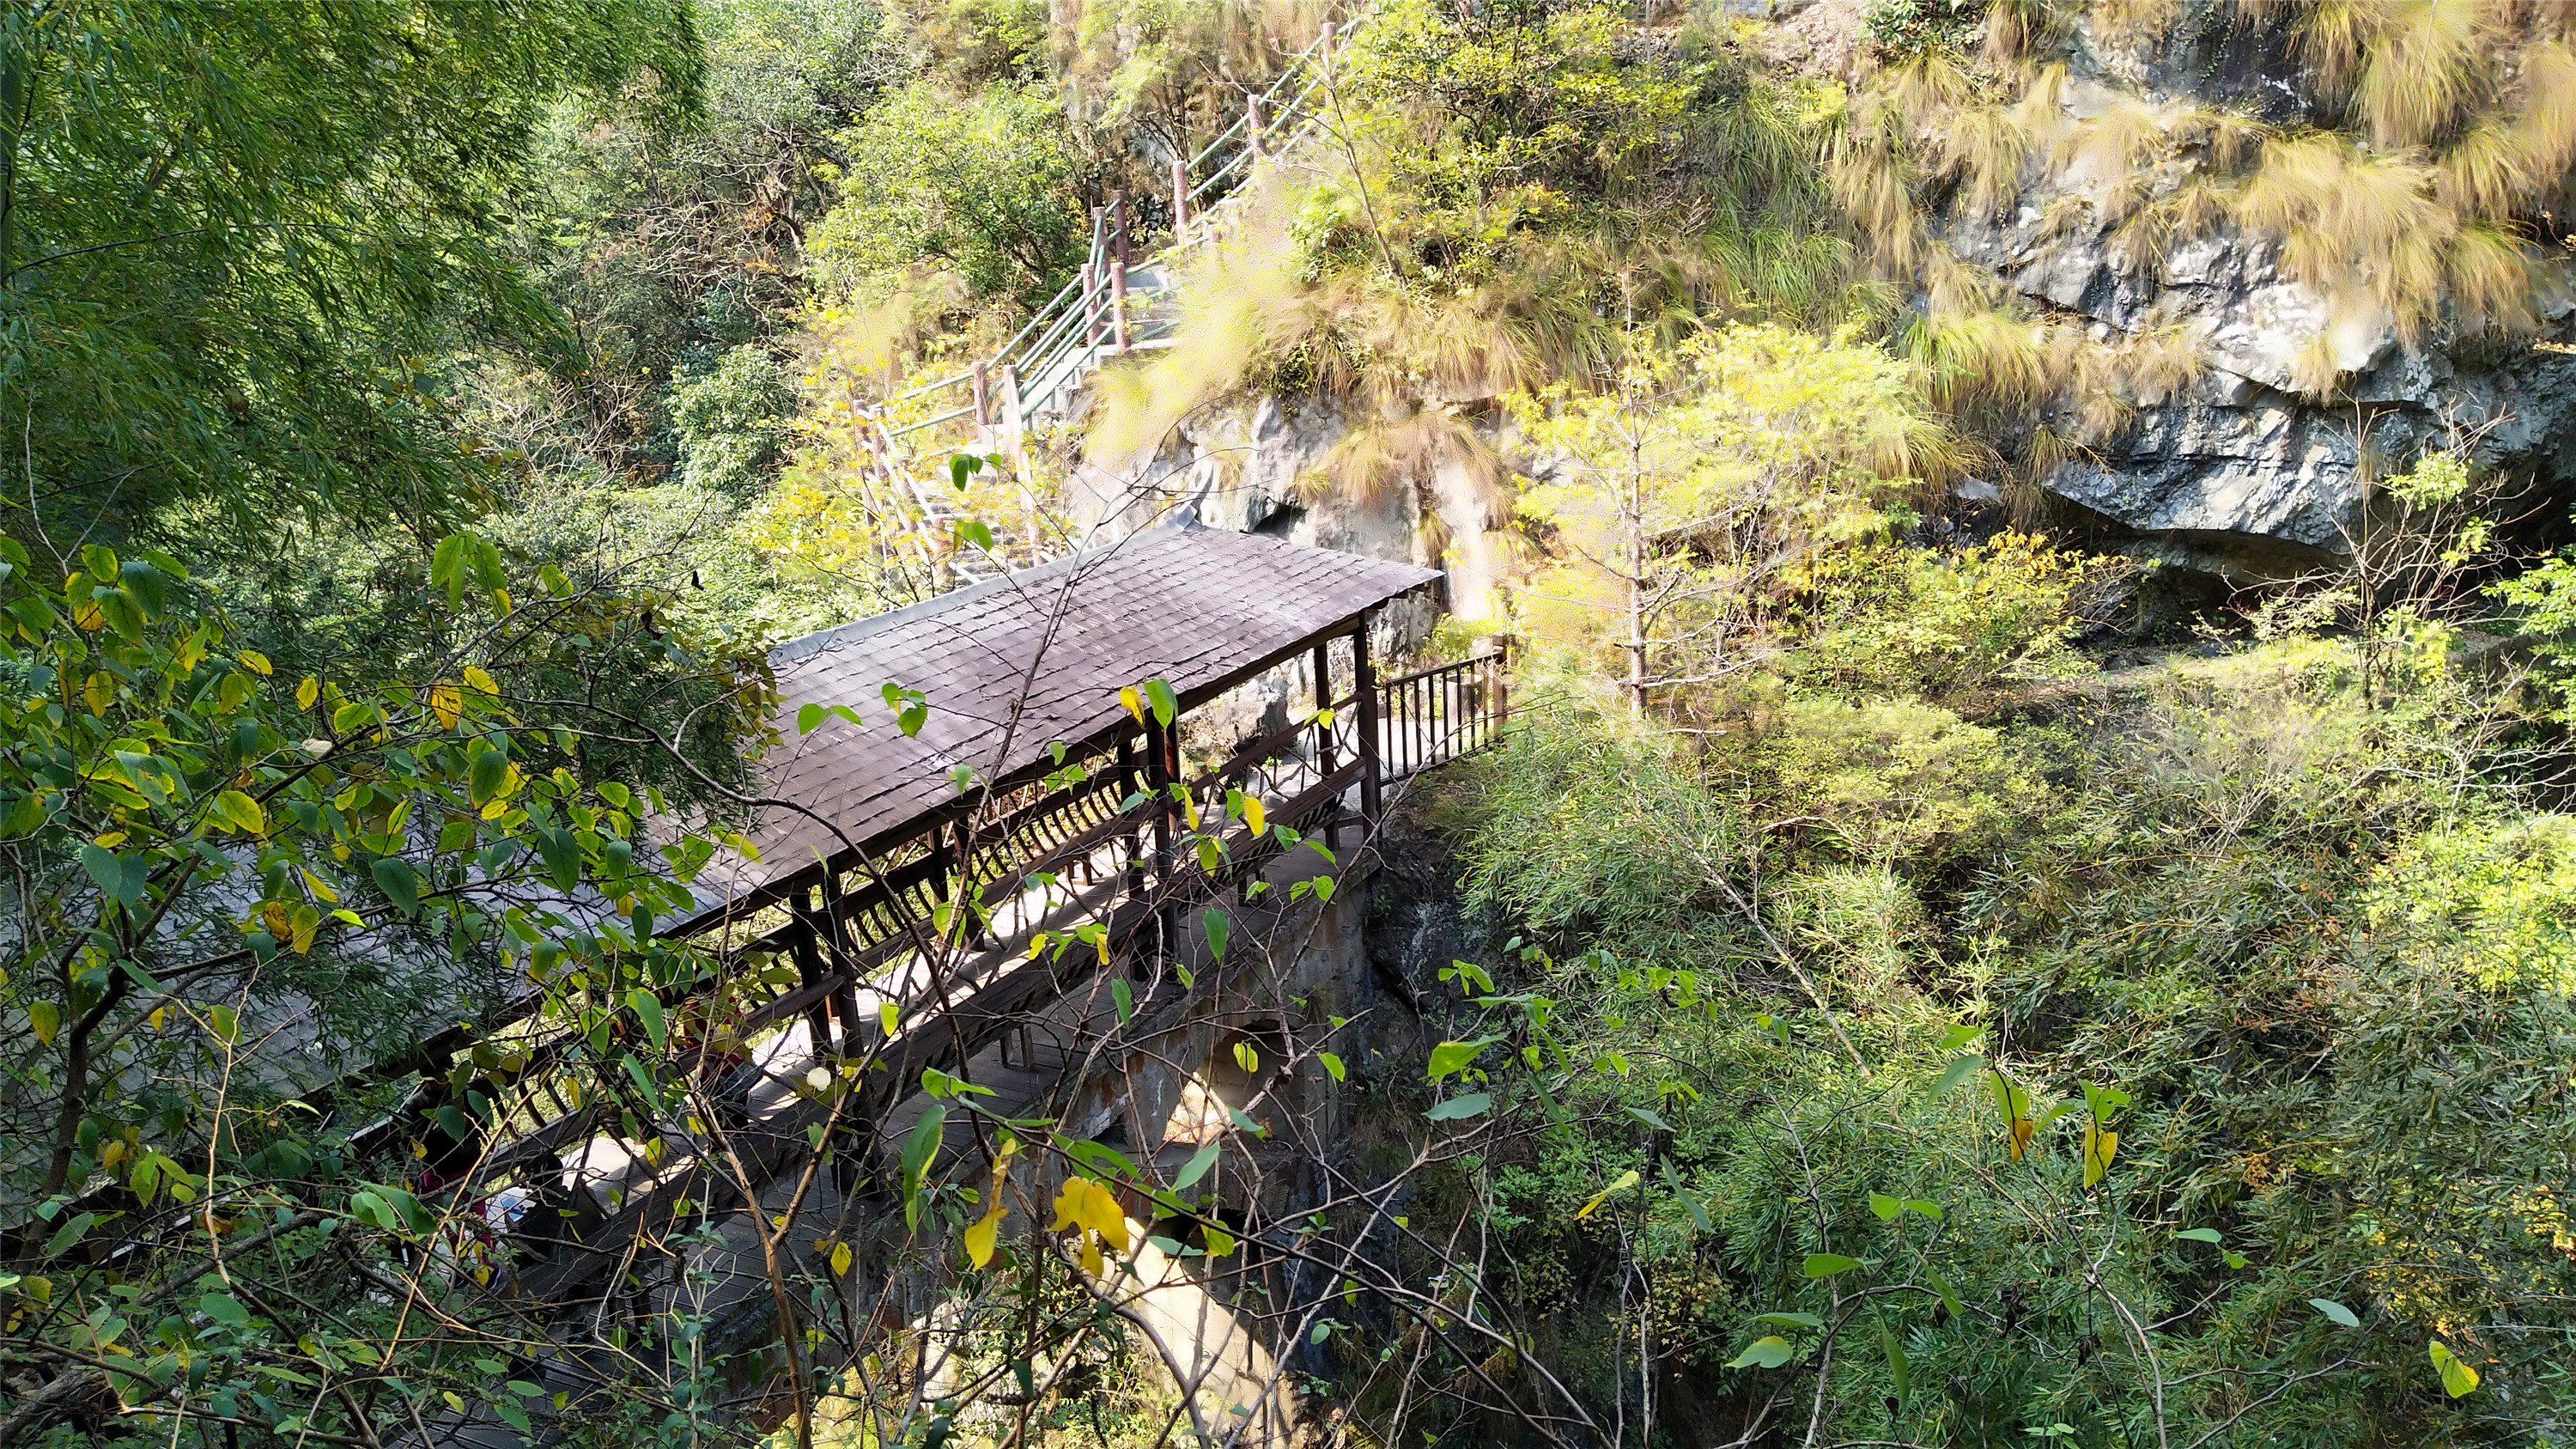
[(2240, 464), (1247, 468), (2241, 471)]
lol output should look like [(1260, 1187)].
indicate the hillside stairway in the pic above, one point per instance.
[(1122, 301)]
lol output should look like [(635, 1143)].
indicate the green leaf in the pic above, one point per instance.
[(1125, 996), (226, 1026), (107, 870), (489, 771), (1790, 1320), (69, 1233), (808, 716), (400, 883), (919, 1148), (1198, 1166), (224, 1309), (561, 852), (1769, 1353), (977, 532), (1214, 923), (2457, 1378), (1332, 1065), (2198, 1235), (648, 1008), (2335, 1311), (1941, 1285), (1473, 1104), (1899, 1372), (1826, 1265), (1885, 1207), (150, 590), (123, 613), (1690, 1201), (1650, 1119), (1960, 1069), (1451, 1057), (1166, 708)]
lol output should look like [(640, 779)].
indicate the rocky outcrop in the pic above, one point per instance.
[(2241, 461), (1252, 468)]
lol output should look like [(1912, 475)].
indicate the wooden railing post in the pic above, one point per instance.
[(1180, 196), (1158, 779), (1324, 763), (845, 1002), (1252, 126), (1090, 331), (1118, 272), (983, 396), (805, 947), (1364, 685), (1132, 778)]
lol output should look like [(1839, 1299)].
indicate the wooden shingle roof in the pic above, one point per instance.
[(1014, 665)]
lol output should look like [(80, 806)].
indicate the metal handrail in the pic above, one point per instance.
[(1065, 330)]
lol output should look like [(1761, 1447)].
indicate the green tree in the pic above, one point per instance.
[(235, 241), (982, 186)]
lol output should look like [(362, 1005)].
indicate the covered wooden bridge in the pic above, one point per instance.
[(1056, 774)]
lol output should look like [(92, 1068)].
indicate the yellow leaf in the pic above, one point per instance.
[(1252, 813), (244, 812), (1134, 702), (321, 890), (1219, 1241), (87, 616), (980, 1235), (1091, 1262), (446, 703), (1621, 1183), (99, 690), (2100, 1146), (1085, 1204), (1190, 808), (257, 663), (841, 1259), (46, 1018), (2022, 1130), (159, 1015), (307, 692), (307, 921), (481, 681), (279, 921), (1246, 1058), (111, 840), (111, 1153)]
